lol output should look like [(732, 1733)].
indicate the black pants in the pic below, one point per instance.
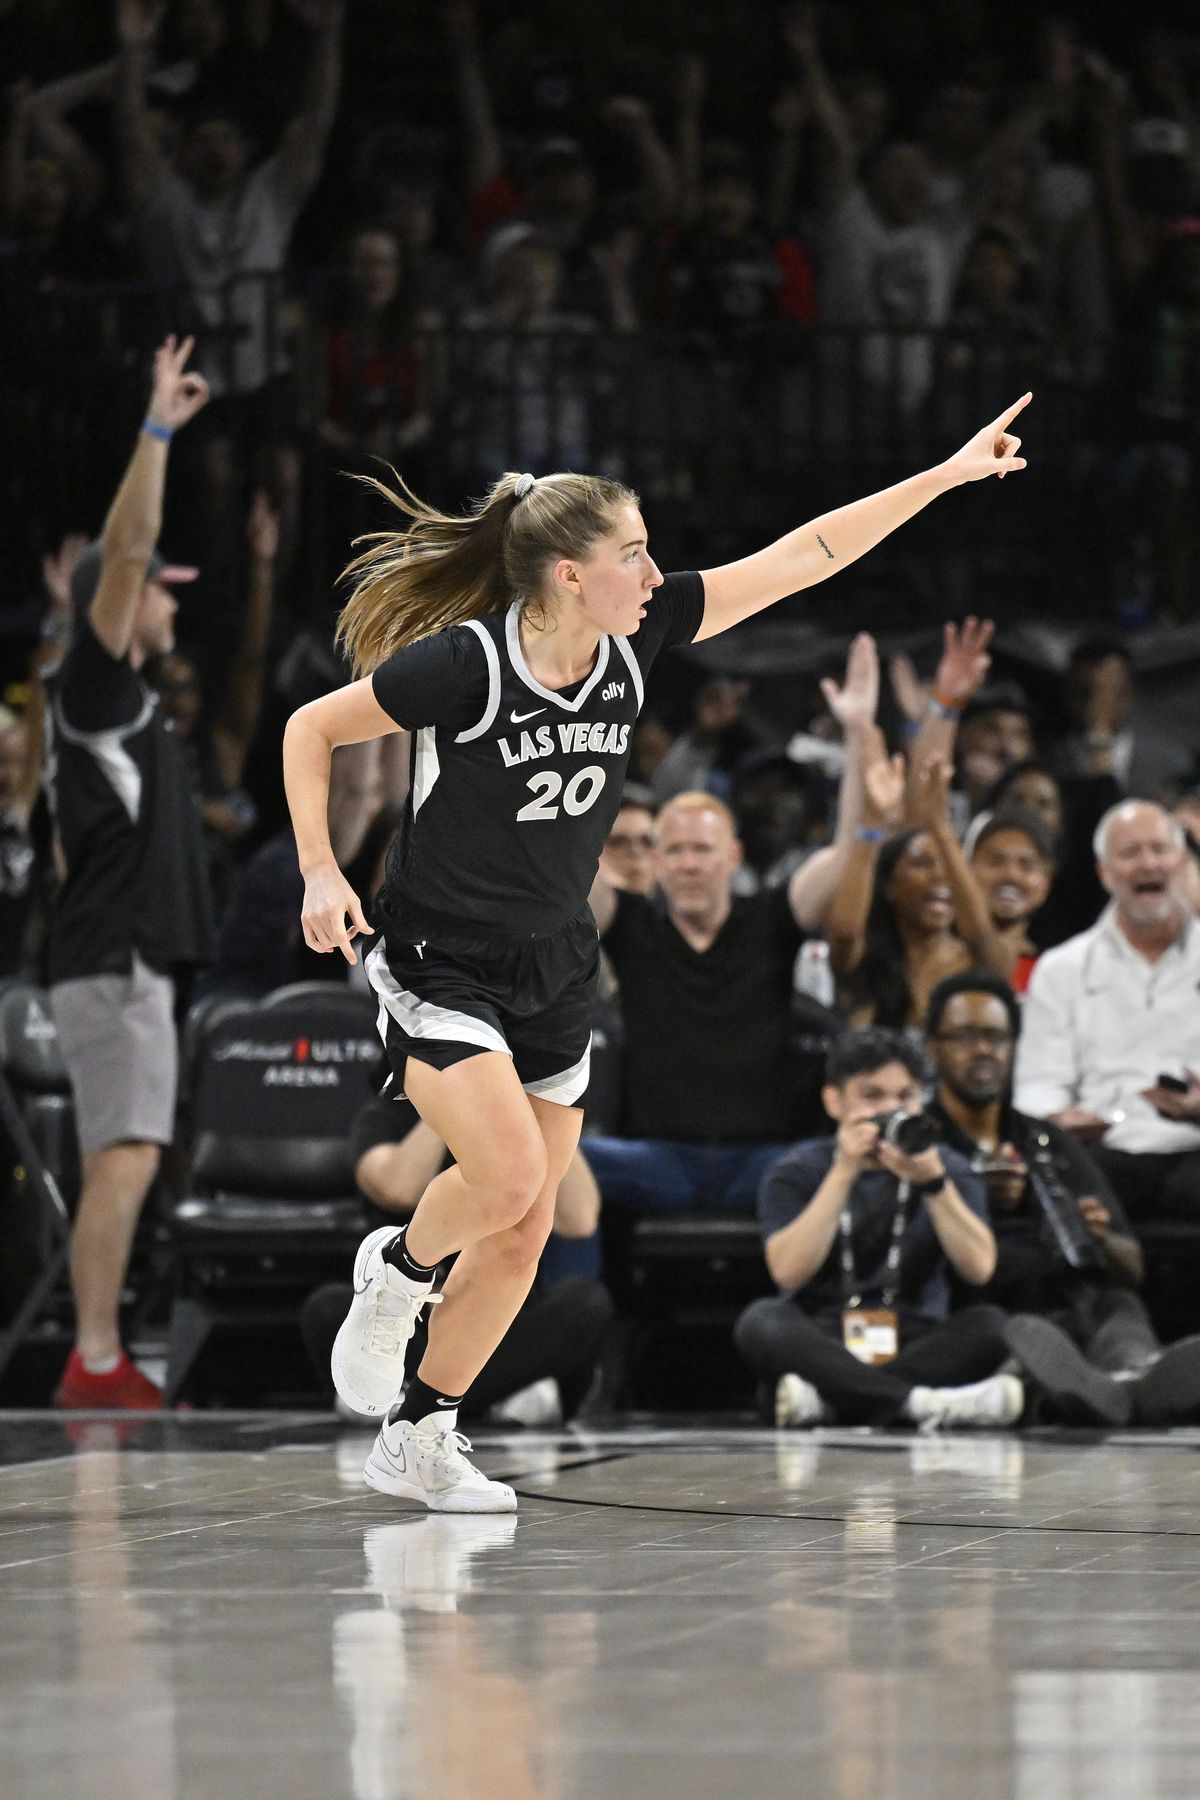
[(777, 1337), (1112, 1328), (1153, 1187), (558, 1332)]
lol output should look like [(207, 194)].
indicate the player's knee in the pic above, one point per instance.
[(516, 1184), (519, 1248)]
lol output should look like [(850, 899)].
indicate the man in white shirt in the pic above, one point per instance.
[(1112, 1012)]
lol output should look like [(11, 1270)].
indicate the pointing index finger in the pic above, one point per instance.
[(1006, 418)]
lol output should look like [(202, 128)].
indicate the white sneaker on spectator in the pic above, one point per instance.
[(538, 1404), (368, 1352), (998, 1401), (428, 1465), (797, 1402)]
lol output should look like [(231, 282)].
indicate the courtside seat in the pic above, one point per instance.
[(680, 1282), (271, 1209)]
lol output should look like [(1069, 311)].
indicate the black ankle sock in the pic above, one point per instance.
[(419, 1401), (397, 1254)]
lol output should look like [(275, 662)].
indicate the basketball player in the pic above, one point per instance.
[(514, 644)]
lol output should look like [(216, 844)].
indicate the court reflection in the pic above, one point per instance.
[(120, 1737), (451, 1692)]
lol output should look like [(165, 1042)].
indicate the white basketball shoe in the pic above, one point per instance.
[(427, 1464), (368, 1351)]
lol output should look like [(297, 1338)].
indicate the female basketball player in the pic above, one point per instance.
[(514, 644)]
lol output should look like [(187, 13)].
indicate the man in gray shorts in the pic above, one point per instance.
[(134, 909)]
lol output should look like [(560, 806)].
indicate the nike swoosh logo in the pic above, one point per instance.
[(520, 718), (445, 1403), (397, 1459)]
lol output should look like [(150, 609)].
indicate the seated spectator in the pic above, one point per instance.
[(1106, 736), (994, 732), (704, 1122), (1112, 1011), (780, 808), (1187, 811), (1067, 1262), (543, 1367), (627, 860), (706, 751), (1070, 810), (907, 911), (1009, 855), (861, 1239), (985, 732)]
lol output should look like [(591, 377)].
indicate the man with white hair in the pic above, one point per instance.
[(1110, 1044)]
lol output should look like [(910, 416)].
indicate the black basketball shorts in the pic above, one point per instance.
[(528, 998)]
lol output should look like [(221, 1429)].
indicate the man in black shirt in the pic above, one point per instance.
[(134, 909), (1068, 1265), (862, 1236), (711, 1091)]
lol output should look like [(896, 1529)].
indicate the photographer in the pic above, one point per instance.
[(861, 1233), (1067, 1263)]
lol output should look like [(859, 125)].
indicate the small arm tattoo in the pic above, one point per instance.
[(825, 546)]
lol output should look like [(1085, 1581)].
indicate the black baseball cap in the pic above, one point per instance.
[(85, 576)]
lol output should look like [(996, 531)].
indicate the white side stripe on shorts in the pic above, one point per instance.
[(567, 1086), (421, 1018)]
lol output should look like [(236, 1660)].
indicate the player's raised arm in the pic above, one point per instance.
[(826, 544)]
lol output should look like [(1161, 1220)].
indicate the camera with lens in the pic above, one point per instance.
[(908, 1132)]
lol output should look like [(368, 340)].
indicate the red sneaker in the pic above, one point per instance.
[(122, 1389)]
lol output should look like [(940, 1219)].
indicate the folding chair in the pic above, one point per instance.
[(271, 1208)]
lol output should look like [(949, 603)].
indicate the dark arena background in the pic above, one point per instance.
[(756, 261)]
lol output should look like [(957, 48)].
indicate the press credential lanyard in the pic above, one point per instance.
[(891, 1273)]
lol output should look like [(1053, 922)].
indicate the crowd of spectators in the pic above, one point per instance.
[(982, 894), (725, 249)]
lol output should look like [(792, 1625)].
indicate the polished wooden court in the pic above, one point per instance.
[(211, 1606)]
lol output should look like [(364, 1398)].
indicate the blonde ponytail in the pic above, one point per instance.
[(443, 568)]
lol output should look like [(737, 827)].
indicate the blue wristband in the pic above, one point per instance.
[(164, 433), (910, 727), (872, 834)]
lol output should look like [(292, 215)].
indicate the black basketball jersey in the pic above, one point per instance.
[(127, 817), (514, 786)]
